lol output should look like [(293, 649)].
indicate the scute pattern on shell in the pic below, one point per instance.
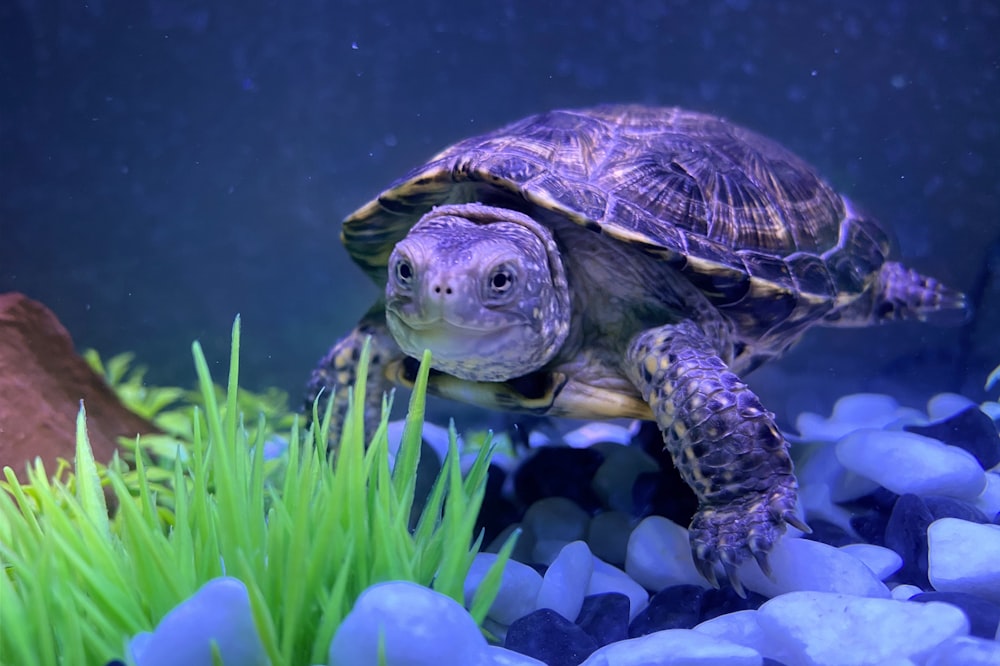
[(747, 221)]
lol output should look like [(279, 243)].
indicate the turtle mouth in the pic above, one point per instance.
[(441, 333), (470, 352), (443, 324)]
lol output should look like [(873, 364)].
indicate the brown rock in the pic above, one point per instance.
[(42, 380)]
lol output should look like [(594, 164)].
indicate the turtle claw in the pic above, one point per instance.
[(730, 534), (793, 519), (734, 578), (705, 564), (761, 557)]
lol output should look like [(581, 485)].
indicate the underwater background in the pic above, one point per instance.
[(165, 165)]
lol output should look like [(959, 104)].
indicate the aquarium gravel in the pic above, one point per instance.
[(901, 567)]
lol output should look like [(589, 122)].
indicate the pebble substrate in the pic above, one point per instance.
[(902, 566)]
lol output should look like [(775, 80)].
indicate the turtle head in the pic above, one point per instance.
[(482, 288)]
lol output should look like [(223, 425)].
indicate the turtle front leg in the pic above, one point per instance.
[(335, 375), (724, 443)]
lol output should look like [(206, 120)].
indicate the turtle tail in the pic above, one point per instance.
[(903, 293)]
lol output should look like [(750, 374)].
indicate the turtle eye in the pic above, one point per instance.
[(404, 272), (501, 280)]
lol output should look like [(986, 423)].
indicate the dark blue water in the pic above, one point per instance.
[(166, 165)]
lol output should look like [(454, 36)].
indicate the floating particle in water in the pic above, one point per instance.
[(897, 81)]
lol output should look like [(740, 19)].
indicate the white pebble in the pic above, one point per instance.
[(499, 656), (218, 612), (659, 555), (817, 465), (518, 591), (989, 500), (905, 462), (991, 408), (865, 408), (507, 463), (904, 592), (674, 647), (802, 564), (963, 556), (566, 580), (882, 561), (907, 416), (742, 628), (607, 578), (410, 625), (815, 501), (851, 412), (945, 405), (595, 432), (537, 439), (965, 651), (825, 629)]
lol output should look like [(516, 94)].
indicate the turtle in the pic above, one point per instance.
[(624, 261)]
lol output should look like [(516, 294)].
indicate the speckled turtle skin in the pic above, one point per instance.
[(674, 253)]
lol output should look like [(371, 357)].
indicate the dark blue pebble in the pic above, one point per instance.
[(870, 526), (663, 494), (605, 617), (559, 471), (725, 600), (881, 499), (675, 607), (830, 534), (540, 567), (650, 439), (115, 662), (495, 477), (549, 637), (970, 429), (496, 512), (906, 533), (870, 514), (949, 507), (772, 662), (983, 615)]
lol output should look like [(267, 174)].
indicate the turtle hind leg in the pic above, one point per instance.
[(724, 443), (334, 377), (904, 293)]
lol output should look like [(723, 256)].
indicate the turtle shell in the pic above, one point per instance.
[(747, 221)]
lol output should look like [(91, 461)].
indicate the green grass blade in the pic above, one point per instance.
[(304, 535), (408, 455), (88, 482), (486, 593)]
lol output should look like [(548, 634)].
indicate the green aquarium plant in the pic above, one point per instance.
[(305, 537)]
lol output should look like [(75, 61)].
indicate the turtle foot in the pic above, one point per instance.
[(727, 535)]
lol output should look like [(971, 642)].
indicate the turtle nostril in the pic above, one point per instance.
[(438, 289)]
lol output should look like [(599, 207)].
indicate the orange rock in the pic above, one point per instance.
[(42, 380)]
